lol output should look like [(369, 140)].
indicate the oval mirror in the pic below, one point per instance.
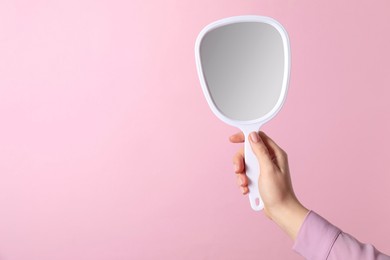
[(243, 65)]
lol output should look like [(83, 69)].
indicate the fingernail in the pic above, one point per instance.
[(242, 190), (254, 137), (240, 181), (236, 167)]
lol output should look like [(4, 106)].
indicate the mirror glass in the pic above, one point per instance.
[(243, 66)]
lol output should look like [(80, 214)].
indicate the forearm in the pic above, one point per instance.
[(319, 240), (348, 247)]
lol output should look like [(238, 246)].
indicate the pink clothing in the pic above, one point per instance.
[(319, 240)]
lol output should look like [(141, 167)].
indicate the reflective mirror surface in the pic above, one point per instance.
[(243, 67)]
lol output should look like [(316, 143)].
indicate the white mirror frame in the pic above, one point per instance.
[(252, 168)]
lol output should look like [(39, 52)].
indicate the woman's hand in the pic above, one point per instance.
[(275, 187)]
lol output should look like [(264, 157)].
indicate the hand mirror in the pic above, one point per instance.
[(243, 65)]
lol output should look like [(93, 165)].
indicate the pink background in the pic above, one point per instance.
[(108, 149)]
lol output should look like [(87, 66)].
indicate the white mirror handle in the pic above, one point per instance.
[(252, 170)]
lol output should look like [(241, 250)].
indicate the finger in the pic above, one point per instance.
[(237, 138), (244, 190), (238, 161), (242, 180), (276, 152), (260, 150)]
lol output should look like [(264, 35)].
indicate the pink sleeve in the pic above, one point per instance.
[(320, 240)]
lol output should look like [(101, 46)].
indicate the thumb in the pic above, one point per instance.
[(260, 149)]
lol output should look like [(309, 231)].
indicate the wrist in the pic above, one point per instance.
[(289, 217)]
